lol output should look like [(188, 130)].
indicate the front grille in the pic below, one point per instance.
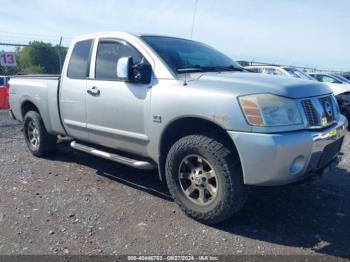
[(310, 112), (329, 112), (319, 111)]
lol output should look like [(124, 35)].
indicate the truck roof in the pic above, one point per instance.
[(119, 34)]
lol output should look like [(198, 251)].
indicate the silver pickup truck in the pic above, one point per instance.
[(209, 126)]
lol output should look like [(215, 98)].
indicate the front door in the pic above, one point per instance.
[(116, 109)]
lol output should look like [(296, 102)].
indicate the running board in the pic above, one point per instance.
[(114, 157)]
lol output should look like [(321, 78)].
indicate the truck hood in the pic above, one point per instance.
[(242, 83)]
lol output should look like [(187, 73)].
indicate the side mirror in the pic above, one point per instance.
[(138, 73), (142, 73), (124, 66)]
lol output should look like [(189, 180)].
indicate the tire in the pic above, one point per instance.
[(230, 193), (39, 142)]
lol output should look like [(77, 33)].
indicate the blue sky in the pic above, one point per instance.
[(311, 33)]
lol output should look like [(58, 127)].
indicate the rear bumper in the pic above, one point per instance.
[(278, 159)]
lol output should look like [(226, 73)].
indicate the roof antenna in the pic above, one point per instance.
[(192, 29), (194, 17)]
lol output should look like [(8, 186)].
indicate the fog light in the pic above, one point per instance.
[(297, 165)]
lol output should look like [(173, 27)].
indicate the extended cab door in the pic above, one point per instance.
[(72, 97), (116, 110)]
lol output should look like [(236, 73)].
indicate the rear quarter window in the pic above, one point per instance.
[(79, 63)]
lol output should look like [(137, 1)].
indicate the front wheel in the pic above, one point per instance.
[(205, 179), (40, 143)]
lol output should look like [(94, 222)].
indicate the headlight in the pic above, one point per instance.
[(270, 110)]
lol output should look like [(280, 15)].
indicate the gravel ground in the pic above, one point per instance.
[(73, 203)]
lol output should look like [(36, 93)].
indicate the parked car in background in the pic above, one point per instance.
[(340, 88), (341, 78), (328, 78), (346, 75), (209, 126), (280, 71), (337, 85)]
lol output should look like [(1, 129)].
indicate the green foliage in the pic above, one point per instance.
[(8, 70), (37, 58), (40, 57), (33, 69)]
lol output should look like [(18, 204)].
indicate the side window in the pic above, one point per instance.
[(264, 70), (255, 70), (317, 77), (108, 53), (328, 79), (269, 71), (273, 71), (79, 63), (279, 72)]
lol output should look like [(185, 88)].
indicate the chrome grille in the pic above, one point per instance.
[(329, 112), (310, 112), (320, 111)]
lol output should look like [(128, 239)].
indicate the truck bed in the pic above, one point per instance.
[(37, 90)]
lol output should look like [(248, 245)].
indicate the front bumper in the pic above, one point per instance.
[(278, 159)]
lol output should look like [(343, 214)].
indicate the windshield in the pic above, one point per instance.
[(297, 73), (184, 56)]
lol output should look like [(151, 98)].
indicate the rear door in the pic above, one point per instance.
[(116, 109), (73, 90)]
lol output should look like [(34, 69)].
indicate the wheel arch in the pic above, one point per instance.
[(188, 126), (27, 106)]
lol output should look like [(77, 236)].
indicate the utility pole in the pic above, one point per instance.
[(194, 17), (59, 54)]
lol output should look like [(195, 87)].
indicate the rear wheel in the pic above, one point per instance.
[(40, 143), (205, 179)]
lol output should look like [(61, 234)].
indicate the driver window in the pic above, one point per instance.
[(108, 53)]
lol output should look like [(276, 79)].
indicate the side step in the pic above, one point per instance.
[(114, 157)]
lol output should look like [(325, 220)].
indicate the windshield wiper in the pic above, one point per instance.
[(209, 69)]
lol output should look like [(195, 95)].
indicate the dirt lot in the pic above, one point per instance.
[(74, 203)]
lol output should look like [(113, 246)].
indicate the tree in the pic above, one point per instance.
[(40, 58), (37, 58)]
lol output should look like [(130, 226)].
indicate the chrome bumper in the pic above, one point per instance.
[(277, 159)]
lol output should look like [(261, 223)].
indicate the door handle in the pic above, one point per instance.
[(94, 91)]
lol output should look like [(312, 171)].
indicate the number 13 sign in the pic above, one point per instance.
[(8, 59)]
